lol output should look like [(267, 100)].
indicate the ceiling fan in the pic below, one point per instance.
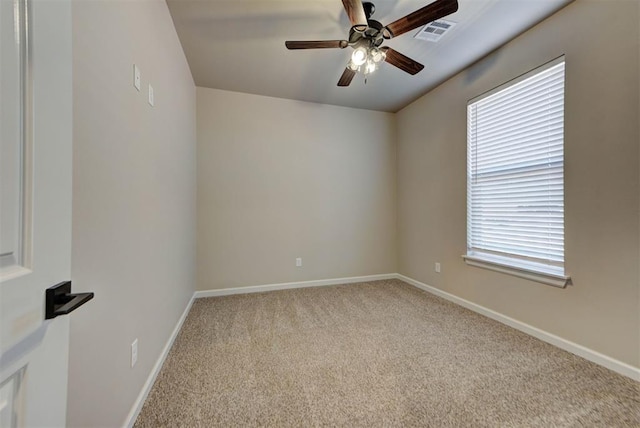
[(366, 36)]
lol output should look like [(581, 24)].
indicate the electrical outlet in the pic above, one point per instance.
[(438, 267), (299, 262), (137, 80), (134, 352)]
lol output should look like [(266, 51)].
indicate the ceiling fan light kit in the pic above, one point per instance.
[(367, 35), (366, 60)]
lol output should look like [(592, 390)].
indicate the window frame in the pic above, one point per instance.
[(552, 273)]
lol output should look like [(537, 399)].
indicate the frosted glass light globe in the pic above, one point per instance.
[(359, 56)]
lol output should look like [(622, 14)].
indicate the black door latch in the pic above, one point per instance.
[(60, 301)]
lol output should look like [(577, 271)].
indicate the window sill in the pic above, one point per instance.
[(523, 271)]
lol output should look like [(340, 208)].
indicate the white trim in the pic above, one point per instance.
[(517, 79), (579, 350), (289, 285), (522, 271), (146, 388)]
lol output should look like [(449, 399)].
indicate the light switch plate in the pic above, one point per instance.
[(137, 80), (151, 98), (134, 352)]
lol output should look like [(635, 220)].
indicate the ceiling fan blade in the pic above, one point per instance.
[(431, 12), (355, 12), (347, 77), (403, 62), (316, 44)]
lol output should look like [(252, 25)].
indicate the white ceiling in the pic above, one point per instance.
[(238, 45)]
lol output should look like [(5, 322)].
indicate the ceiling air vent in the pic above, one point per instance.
[(435, 30)]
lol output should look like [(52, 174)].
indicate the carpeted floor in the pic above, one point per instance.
[(374, 354)]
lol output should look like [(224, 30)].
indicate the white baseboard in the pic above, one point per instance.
[(137, 405), (289, 285), (584, 352)]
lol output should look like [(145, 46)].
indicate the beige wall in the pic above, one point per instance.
[(601, 309), (133, 201), (280, 179)]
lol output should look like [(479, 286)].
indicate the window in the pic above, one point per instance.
[(515, 177)]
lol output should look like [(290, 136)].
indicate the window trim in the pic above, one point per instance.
[(518, 79), (546, 274), (517, 269)]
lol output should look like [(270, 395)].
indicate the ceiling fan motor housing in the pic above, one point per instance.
[(371, 36)]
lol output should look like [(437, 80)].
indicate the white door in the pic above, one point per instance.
[(35, 207)]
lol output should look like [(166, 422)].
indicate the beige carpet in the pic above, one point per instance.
[(373, 354)]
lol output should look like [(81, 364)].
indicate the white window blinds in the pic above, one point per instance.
[(515, 178)]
